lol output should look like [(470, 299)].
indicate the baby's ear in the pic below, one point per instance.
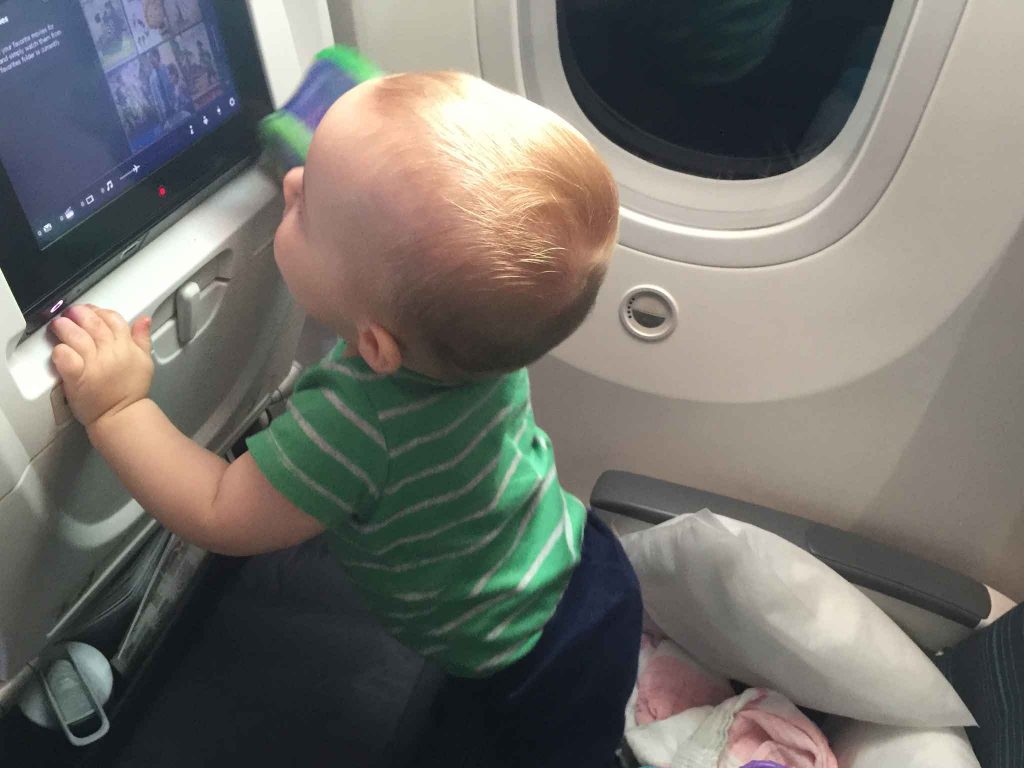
[(379, 349)]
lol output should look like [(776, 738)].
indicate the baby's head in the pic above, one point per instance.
[(445, 225)]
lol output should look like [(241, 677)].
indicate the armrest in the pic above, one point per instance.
[(862, 562)]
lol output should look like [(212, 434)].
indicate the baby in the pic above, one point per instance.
[(451, 234)]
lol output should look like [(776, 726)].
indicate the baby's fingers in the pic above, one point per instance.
[(117, 325), (69, 363), (91, 322), (140, 334), (74, 336)]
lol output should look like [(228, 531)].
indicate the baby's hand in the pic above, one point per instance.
[(105, 365)]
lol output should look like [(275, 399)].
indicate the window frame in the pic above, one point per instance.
[(742, 223)]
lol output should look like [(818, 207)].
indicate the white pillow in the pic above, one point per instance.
[(865, 745), (751, 606)]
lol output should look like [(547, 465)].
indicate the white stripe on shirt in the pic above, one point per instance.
[(509, 473), (527, 519), (393, 413), (542, 556), (433, 500), (495, 661), (365, 427), (446, 430), (403, 567), (458, 622), (537, 493), (568, 528), (327, 448), (406, 615), (417, 597), (454, 461), (528, 604), (344, 370), (309, 482)]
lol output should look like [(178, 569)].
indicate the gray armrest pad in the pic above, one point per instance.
[(862, 562)]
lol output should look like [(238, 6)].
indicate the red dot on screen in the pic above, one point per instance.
[(162, 191)]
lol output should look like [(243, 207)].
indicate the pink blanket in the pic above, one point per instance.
[(682, 715)]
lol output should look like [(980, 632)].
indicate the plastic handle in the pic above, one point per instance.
[(75, 696), (186, 305)]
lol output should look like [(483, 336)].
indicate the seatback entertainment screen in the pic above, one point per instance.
[(96, 98), (106, 92)]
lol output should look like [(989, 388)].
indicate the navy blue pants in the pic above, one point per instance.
[(564, 703), (987, 670)]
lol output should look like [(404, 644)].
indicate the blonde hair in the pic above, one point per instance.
[(522, 213)]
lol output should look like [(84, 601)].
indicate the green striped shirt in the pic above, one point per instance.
[(442, 502)]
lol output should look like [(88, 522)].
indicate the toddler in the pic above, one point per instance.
[(451, 234)]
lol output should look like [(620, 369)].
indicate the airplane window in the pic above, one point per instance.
[(724, 89)]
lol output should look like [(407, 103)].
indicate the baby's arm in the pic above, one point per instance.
[(232, 509)]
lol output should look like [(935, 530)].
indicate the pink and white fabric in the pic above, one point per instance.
[(682, 716)]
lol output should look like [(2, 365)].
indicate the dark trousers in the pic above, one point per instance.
[(987, 671), (564, 703)]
